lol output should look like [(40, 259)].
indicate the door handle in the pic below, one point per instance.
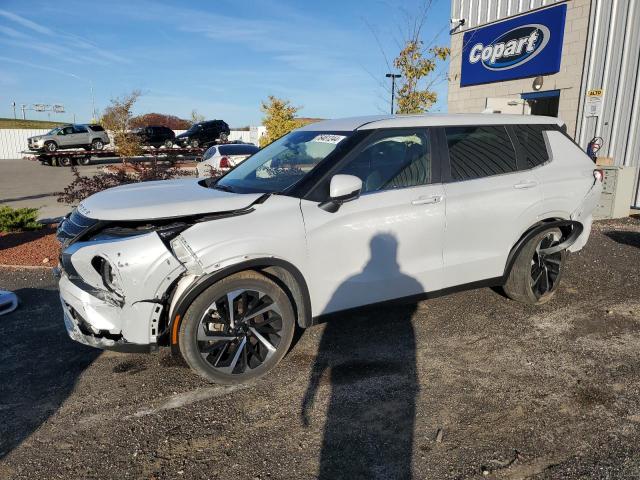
[(525, 184), (427, 200)]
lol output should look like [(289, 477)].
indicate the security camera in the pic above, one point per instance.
[(458, 21)]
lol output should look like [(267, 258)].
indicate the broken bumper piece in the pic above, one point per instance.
[(93, 322)]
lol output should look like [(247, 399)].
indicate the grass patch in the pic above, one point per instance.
[(11, 123)]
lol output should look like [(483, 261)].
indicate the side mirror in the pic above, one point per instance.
[(343, 188)]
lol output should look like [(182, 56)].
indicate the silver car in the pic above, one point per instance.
[(89, 137), (222, 158)]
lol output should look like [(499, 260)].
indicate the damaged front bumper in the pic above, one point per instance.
[(125, 319)]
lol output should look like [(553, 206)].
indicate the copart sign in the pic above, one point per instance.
[(524, 46)]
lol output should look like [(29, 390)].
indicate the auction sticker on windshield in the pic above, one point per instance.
[(328, 138)]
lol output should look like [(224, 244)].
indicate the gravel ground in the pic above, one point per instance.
[(38, 247), (466, 386)]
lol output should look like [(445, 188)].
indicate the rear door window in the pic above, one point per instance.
[(80, 129), (532, 145), (482, 151)]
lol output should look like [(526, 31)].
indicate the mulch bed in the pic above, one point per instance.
[(36, 248), (187, 165)]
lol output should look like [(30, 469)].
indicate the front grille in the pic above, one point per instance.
[(73, 226)]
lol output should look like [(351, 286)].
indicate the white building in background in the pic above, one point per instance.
[(575, 59)]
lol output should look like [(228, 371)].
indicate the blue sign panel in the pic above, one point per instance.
[(525, 46)]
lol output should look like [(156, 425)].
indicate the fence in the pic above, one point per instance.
[(14, 140)]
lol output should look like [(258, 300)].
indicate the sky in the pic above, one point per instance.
[(220, 57)]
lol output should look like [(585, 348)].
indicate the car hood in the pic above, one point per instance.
[(162, 199), (184, 135)]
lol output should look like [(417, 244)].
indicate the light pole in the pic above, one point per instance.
[(393, 77)]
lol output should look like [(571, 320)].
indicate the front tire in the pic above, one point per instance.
[(65, 161), (535, 276), (194, 143), (238, 329), (97, 144), (51, 147)]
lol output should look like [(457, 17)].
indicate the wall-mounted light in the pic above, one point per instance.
[(456, 23), (537, 83)]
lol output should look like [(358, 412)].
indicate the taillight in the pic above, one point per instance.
[(225, 163), (598, 174)]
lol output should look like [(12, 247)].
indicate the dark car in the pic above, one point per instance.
[(156, 136), (204, 134)]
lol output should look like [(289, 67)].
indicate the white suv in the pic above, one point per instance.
[(333, 216)]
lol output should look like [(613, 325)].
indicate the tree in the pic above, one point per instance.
[(117, 118), (159, 120), (196, 117), (415, 64), (279, 119)]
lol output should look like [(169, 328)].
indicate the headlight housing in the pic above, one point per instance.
[(110, 276)]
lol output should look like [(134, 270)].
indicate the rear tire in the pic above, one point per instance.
[(65, 161), (97, 144), (168, 144), (84, 161), (224, 137), (232, 349), (534, 277)]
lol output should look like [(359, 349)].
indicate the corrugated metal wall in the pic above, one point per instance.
[(479, 12), (613, 64)]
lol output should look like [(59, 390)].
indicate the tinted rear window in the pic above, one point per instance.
[(476, 152), (237, 149), (96, 128), (534, 149)]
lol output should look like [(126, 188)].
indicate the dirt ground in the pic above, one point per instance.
[(466, 386)]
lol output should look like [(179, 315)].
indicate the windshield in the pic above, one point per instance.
[(54, 131), (194, 128), (282, 163)]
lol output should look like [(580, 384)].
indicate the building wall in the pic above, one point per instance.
[(567, 80), (613, 65)]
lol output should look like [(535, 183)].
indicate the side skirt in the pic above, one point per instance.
[(489, 282)]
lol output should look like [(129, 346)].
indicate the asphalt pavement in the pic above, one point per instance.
[(471, 385)]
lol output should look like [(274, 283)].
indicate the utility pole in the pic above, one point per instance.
[(93, 103), (13, 104), (393, 77), (23, 107)]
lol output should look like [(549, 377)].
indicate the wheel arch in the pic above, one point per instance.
[(570, 229), (285, 274)]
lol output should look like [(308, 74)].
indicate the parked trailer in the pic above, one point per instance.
[(62, 158)]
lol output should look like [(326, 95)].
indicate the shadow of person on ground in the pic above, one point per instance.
[(624, 237), (370, 361), (39, 365)]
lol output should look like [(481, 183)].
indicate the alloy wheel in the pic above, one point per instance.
[(545, 267), (239, 331)]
